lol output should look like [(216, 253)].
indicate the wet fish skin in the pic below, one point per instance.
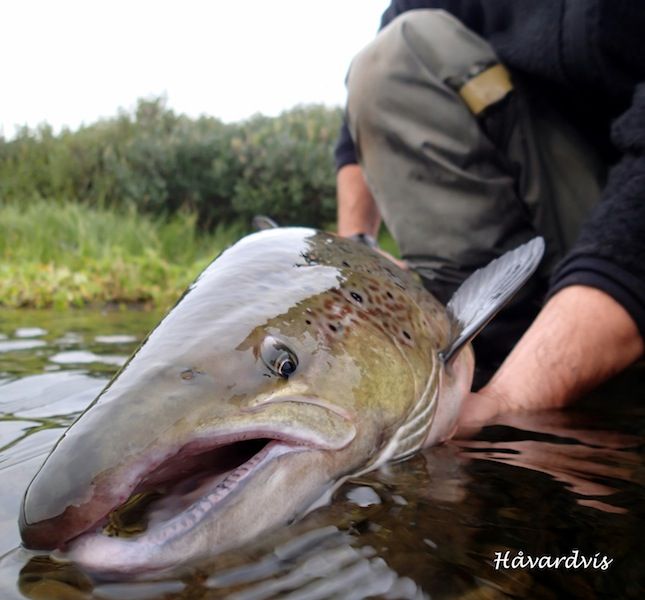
[(369, 387)]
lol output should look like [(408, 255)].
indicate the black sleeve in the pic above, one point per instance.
[(610, 252), (344, 152)]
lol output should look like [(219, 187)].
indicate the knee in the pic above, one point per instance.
[(425, 48), (386, 58)]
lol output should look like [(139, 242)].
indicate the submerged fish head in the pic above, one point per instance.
[(293, 361)]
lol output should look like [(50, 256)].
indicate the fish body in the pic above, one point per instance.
[(295, 360)]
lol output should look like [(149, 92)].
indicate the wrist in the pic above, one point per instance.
[(364, 238), (357, 210)]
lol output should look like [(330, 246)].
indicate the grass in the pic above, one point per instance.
[(67, 254)]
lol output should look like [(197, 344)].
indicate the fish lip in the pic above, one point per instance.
[(128, 553), (57, 532)]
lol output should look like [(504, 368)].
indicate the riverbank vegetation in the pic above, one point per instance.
[(131, 208), (161, 163), (68, 254)]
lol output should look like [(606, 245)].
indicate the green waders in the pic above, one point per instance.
[(462, 162)]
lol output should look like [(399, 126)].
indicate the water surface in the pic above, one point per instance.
[(566, 484)]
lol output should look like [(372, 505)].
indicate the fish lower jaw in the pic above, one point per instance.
[(189, 464), (169, 519)]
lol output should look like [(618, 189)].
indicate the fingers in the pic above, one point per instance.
[(477, 410)]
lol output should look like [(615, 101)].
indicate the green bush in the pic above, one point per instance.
[(161, 163)]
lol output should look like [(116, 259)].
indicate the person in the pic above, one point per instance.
[(473, 126)]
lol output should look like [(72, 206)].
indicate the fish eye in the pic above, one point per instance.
[(278, 358)]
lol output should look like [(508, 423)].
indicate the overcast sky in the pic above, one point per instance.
[(68, 62)]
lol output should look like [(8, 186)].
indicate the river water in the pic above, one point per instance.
[(445, 524)]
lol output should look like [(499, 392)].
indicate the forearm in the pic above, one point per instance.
[(581, 338), (357, 210)]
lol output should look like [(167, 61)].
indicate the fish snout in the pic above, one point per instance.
[(58, 507)]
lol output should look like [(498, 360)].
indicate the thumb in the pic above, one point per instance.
[(478, 408)]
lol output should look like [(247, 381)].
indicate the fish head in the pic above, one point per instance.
[(292, 361)]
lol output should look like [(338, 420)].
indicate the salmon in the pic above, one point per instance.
[(295, 360)]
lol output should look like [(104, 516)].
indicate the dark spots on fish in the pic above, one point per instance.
[(188, 374), (362, 300), (310, 259)]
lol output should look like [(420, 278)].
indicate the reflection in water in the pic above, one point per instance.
[(587, 461), (428, 527), (14, 345), (319, 564), (29, 332), (82, 357)]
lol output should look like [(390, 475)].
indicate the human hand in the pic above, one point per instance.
[(479, 409), (580, 338)]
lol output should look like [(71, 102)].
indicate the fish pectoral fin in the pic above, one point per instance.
[(487, 291)]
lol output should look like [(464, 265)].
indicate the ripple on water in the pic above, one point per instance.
[(70, 338), (14, 345), (115, 339), (84, 357), (46, 394), (29, 332), (363, 496)]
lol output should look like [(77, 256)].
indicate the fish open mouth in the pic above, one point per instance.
[(181, 481), (169, 489), (176, 495), (165, 494)]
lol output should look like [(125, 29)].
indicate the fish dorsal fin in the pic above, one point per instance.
[(487, 290), (262, 222)]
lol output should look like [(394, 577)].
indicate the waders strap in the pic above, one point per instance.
[(486, 88)]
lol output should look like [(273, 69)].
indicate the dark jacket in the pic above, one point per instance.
[(590, 55)]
